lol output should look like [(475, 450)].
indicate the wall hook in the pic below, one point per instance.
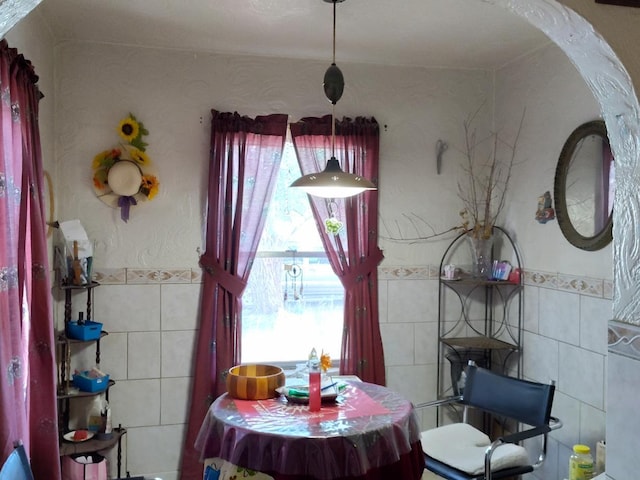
[(441, 147)]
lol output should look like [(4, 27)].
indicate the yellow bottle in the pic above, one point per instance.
[(581, 463)]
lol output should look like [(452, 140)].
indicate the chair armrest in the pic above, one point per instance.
[(442, 401), (555, 423), (519, 436)]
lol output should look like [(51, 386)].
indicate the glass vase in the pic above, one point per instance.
[(481, 254)]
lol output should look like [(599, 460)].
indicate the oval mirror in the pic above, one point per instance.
[(584, 187)]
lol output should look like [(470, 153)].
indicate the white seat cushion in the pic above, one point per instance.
[(463, 447)]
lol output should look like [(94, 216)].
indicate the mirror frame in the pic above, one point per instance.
[(602, 238)]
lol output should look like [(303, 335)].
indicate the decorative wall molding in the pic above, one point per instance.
[(593, 287), (624, 339), (12, 11), (141, 276)]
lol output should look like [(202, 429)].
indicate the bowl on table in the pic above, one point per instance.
[(254, 381)]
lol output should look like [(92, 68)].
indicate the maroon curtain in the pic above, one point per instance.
[(244, 163), (28, 409), (353, 253)]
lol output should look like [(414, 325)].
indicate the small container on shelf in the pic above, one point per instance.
[(84, 330), (89, 381)]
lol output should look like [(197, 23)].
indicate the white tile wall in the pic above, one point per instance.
[(179, 306), (581, 375), (128, 308), (152, 450), (559, 315), (136, 403), (177, 353), (151, 317), (152, 326), (174, 398), (143, 349), (565, 340), (623, 384)]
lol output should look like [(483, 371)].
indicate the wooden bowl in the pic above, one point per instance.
[(254, 381)]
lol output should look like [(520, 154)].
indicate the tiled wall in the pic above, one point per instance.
[(565, 339), (151, 316)]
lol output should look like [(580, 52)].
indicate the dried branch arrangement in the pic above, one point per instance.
[(483, 190)]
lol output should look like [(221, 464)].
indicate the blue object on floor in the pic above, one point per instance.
[(17, 466)]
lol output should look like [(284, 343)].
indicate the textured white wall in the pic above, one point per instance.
[(555, 101), (172, 92)]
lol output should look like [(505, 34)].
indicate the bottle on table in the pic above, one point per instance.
[(581, 463), (314, 381)]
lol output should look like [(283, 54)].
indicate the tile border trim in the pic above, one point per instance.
[(146, 276), (593, 287)]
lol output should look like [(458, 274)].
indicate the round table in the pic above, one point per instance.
[(369, 433)]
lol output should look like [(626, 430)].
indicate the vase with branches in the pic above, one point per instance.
[(487, 167)]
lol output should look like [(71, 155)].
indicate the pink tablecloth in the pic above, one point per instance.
[(371, 433)]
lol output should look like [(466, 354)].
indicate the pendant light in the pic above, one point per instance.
[(333, 182)]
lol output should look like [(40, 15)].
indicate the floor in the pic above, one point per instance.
[(427, 475)]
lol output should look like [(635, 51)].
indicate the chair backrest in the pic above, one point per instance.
[(17, 466), (528, 402)]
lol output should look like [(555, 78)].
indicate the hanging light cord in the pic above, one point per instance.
[(334, 31), (333, 104), (333, 130)]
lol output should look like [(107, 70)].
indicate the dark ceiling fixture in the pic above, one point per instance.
[(333, 182)]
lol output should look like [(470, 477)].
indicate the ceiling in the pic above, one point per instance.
[(429, 33)]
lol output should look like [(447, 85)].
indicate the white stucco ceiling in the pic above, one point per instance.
[(435, 33)]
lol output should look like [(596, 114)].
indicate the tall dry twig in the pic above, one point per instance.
[(484, 192)]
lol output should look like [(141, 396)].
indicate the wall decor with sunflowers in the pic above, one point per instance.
[(125, 175)]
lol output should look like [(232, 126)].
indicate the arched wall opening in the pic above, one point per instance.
[(613, 89)]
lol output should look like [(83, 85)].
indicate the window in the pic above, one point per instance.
[(293, 301)]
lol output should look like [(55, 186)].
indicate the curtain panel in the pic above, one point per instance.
[(244, 162), (28, 410), (353, 253)]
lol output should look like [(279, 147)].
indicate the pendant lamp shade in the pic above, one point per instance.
[(333, 182)]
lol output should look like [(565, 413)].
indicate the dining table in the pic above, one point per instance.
[(366, 432)]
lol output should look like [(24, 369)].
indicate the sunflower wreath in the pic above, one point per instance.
[(125, 175)]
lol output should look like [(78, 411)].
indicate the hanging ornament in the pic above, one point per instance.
[(332, 225), (293, 279)]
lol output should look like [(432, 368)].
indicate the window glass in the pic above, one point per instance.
[(293, 301)]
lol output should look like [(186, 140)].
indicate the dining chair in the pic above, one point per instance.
[(460, 451), (17, 466)]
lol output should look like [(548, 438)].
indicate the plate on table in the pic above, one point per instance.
[(83, 436), (300, 393)]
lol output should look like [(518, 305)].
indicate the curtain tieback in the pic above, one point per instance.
[(362, 270), (231, 283)]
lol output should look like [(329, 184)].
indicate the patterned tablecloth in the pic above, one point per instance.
[(369, 433)]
